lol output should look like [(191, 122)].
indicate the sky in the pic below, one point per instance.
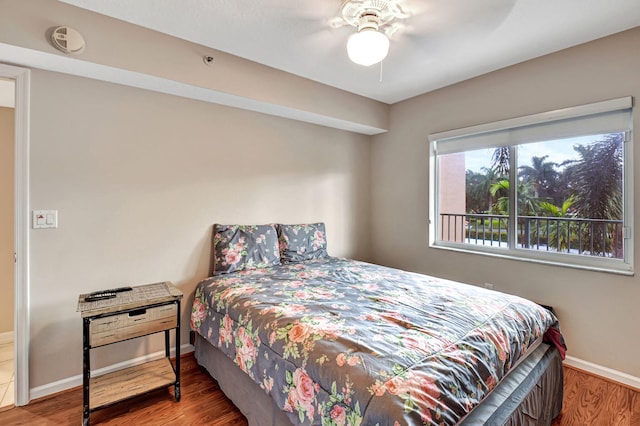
[(558, 151)]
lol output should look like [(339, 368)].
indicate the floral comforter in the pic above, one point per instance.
[(341, 342)]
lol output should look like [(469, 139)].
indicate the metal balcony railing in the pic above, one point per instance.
[(592, 237)]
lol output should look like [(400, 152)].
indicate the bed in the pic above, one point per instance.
[(295, 336)]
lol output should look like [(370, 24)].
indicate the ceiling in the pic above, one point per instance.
[(441, 43)]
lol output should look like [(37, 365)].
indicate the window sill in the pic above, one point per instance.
[(624, 269)]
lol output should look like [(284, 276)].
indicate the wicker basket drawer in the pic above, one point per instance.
[(114, 328)]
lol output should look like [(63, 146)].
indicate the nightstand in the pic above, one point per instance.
[(142, 311)]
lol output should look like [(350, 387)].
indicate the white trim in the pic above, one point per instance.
[(6, 337), (594, 119), (78, 67), (75, 381), (22, 78), (531, 256), (607, 373), (71, 382), (434, 202), (629, 195)]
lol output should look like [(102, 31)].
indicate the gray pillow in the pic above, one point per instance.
[(238, 247), (302, 242)]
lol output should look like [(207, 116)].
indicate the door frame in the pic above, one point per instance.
[(22, 78)]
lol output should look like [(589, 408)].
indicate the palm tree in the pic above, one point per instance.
[(478, 185), (474, 198), (542, 174), (526, 200), (564, 183), (596, 178), (500, 160), (547, 209), (526, 204), (559, 230), (490, 178), (500, 189)]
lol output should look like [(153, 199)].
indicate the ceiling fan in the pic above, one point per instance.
[(376, 21)]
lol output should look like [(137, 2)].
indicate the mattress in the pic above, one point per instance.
[(530, 395), (337, 341)]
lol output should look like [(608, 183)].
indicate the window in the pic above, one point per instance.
[(553, 187)]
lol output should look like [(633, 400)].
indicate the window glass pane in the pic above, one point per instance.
[(472, 199), (570, 195)]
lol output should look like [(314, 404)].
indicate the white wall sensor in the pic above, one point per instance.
[(67, 40)]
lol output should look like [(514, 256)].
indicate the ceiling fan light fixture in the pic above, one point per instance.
[(367, 47), (373, 20)]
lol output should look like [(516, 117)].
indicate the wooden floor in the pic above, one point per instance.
[(202, 403), (588, 400)]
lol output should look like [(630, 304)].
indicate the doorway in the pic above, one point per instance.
[(7, 242), (19, 79)]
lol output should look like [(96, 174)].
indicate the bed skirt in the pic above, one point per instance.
[(531, 394), (253, 403)]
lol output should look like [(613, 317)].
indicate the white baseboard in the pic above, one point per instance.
[(6, 337), (72, 382), (607, 373)]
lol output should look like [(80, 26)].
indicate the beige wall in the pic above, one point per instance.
[(138, 179), (598, 312), (123, 46), (6, 219)]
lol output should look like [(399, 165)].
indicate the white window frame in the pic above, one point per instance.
[(610, 116)]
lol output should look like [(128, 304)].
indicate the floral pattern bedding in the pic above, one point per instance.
[(341, 342), (299, 243)]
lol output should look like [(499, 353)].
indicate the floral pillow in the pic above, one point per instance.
[(302, 242), (238, 247)]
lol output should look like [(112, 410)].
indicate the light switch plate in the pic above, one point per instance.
[(45, 219)]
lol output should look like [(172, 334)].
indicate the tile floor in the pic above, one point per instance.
[(6, 375)]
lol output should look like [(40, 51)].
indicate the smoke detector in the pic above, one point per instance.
[(67, 40)]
